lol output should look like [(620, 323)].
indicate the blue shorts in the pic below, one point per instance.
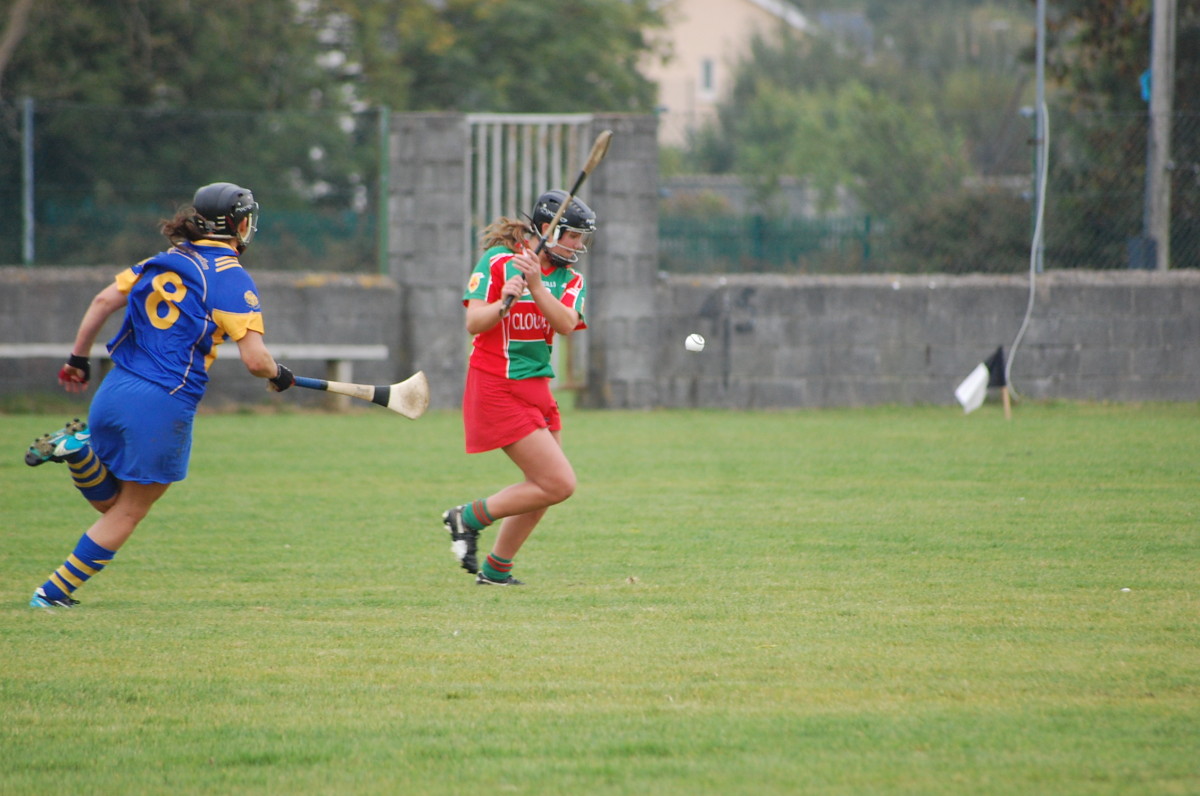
[(140, 432)]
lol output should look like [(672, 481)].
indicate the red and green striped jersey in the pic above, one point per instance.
[(519, 346)]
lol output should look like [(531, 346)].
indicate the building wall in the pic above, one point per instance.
[(719, 31)]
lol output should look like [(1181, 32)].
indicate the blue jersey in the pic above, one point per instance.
[(182, 304)]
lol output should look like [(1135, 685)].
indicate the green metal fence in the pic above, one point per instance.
[(101, 179), (86, 184), (736, 244)]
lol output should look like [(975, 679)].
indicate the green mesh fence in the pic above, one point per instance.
[(1094, 217), (103, 178), (735, 244)]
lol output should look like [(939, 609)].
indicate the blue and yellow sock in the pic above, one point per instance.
[(90, 475), (87, 559), (475, 515), (497, 568)]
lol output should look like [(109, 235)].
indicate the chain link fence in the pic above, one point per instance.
[(1094, 215), (87, 185)]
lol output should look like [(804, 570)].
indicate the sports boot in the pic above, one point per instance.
[(463, 540), (40, 600), (484, 580), (58, 445)]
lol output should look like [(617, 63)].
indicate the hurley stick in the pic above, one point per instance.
[(409, 397), (599, 150)]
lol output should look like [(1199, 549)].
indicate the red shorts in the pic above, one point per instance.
[(499, 411)]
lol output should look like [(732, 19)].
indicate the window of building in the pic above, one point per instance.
[(708, 78)]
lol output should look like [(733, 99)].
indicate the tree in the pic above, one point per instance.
[(799, 109), (18, 19), (914, 129), (1098, 53), (498, 55), (139, 101)]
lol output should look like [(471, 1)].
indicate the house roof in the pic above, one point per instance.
[(785, 11)]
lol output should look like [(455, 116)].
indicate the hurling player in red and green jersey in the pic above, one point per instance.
[(507, 402)]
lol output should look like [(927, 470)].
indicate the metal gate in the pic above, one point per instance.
[(514, 158)]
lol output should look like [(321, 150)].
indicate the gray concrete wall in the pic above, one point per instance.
[(773, 341), (45, 304), (621, 268), (776, 341)]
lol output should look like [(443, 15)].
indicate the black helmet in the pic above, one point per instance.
[(220, 208), (578, 217)]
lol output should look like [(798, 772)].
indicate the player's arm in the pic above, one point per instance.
[(563, 319), (77, 371), (259, 362), (483, 315)]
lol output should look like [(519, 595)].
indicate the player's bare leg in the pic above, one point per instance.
[(96, 548), (549, 477), (132, 504), (514, 531)]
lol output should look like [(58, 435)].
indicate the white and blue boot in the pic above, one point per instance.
[(59, 445)]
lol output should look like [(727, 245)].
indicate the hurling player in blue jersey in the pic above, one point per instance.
[(179, 305)]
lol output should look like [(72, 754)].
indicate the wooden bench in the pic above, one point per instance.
[(339, 359)]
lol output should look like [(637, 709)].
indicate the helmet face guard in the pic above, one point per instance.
[(578, 218), (221, 207)]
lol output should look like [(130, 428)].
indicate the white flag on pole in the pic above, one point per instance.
[(973, 389)]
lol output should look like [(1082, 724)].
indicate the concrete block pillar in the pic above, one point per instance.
[(428, 247), (622, 267)]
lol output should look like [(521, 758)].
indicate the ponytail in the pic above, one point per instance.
[(182, 227), (507, 232)]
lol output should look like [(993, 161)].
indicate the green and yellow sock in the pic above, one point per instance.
[(497, 568)]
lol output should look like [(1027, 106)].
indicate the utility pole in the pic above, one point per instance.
[(27, 188), (1041, 146), (1156, 221)]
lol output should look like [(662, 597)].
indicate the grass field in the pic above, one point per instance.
[(890, 600)]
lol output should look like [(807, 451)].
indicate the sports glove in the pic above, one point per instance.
[(79, 363), (283, 379)]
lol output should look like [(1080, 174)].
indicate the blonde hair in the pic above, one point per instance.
[(507, 232)]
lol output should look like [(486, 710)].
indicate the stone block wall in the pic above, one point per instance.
[(45, 304), (780, 341), (772, 341), (622, 265)]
